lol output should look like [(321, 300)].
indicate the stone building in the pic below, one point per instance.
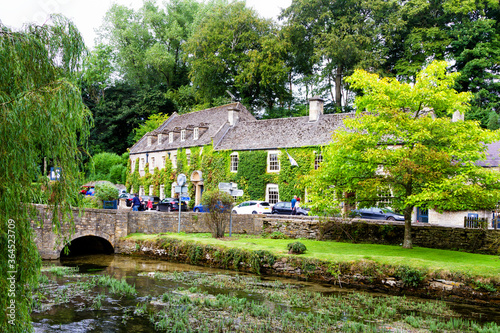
[(230, 128)]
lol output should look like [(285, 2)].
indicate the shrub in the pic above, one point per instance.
[(410, 276), (219, 205), (106, 192), (296, 248)]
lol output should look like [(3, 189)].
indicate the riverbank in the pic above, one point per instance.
[(460, 277)]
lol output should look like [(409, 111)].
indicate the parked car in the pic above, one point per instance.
[(285, 208), (253, 207), (200, 209), (375, 213), (204, 209), (171, 205)]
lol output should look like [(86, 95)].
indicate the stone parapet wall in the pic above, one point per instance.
[(156, 222)]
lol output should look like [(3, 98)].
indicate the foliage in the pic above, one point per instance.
[(106, 192), (296, 248), (397, 146), (251, 176), (100, 165), (219, 205), (43, 118), (233, 49), (153, 122), (411, 277)]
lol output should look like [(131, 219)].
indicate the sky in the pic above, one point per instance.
[(88, 14)]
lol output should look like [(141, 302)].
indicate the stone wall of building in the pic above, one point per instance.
[(456, 219)]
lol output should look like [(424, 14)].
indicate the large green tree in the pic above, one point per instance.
[(331, 38), (400, 147), (43, 117), (234, 49)]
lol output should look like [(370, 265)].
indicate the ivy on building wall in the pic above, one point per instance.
[(291, 178), (252, 174), (215, 166)]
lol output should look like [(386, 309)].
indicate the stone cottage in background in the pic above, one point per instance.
[(228, 144)]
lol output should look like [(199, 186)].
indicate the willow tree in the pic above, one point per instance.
[(43, 122), (399, 149)]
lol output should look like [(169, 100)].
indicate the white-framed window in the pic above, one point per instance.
[(163, 160), (149, 140), (152, 164), (143, 163), (318, 159), (131, 189), (141, 191), (234, 162), (160, 137), (195, 133), (151, 189), (132, 166), (162, 192), (172, 190), (384, 197), (183, 135), (272, 193), (273, 161), (170, 137), (188, 158), (174, 161)]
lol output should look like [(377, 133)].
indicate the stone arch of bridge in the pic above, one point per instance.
[(88, 242)]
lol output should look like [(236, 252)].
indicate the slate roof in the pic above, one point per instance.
[(282, 132), (492, 156), (211, 122)]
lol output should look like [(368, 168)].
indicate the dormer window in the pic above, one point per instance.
[(195, 133), (149, 140), (183, 135), (159, 139), (170, 137)]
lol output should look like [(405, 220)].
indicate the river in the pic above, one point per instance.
[(117, 313)]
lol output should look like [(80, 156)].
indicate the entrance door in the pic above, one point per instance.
[(422, 215)]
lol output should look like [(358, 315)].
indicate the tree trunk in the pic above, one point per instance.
[(407, 242), (338, 86)]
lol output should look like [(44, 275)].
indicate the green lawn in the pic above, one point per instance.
[(419, 257)]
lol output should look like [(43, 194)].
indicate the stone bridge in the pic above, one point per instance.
[(101, 230)]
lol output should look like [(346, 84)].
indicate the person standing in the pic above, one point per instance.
[(150, 204), (294, 202), (136, 203)]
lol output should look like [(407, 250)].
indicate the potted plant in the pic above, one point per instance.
[(108, 194)]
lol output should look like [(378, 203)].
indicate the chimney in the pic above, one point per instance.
[(233, 115), (457, 116), (315, 108)]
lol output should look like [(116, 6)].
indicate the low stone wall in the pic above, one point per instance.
[(382, 232), (156, 222)]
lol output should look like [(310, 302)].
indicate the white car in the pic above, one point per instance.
[(253, 207)]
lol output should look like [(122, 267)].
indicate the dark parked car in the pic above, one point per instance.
[(171, 205), (204, 209), (375, 213), (285, 208)]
